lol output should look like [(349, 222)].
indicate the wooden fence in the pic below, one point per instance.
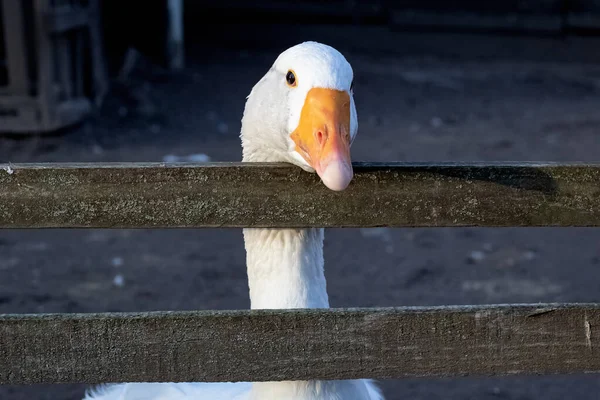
[(264, 345)]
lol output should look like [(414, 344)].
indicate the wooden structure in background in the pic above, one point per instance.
[(53, 64), (584, 14), (175, 45), (522, 16), (273, 345)]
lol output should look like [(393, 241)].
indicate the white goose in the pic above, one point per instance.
[(302, 112)]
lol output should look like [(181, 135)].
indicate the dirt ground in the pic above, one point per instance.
[(419, 98)]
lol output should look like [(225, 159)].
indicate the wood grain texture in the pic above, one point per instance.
[(63, 19), (264, 195), (272, 345), (489, 7), (15, 46)]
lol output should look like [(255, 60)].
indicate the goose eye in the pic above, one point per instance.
[(290, 78)]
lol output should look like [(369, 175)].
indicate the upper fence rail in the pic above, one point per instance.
[(158, 195)]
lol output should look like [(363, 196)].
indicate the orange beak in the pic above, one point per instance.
[(323, 136)]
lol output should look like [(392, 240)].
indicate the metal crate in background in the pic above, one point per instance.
[(51, 64)]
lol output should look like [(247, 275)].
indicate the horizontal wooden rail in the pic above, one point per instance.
[(265, 345), (264, 195)]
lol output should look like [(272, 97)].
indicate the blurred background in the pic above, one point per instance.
[(166, 80)]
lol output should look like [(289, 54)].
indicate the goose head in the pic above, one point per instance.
[(302, 112)]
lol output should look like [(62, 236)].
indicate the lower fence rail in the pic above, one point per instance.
[(273, 345)]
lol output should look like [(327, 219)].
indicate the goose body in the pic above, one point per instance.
[(302, 112), (312, 390)]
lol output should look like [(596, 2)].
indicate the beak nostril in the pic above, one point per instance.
[(321, 137)]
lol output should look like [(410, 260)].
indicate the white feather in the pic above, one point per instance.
[(171, 391), (285, 266), (316, 390)]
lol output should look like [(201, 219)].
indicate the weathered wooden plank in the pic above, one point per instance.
[(99, 69), (46, 90), (271, 345), (519, 22), (16, 47), (591, 6), (483, 7), (311, 9), (64, 19), (264, 195), (526, 16), (64, 54), (175, 42)]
